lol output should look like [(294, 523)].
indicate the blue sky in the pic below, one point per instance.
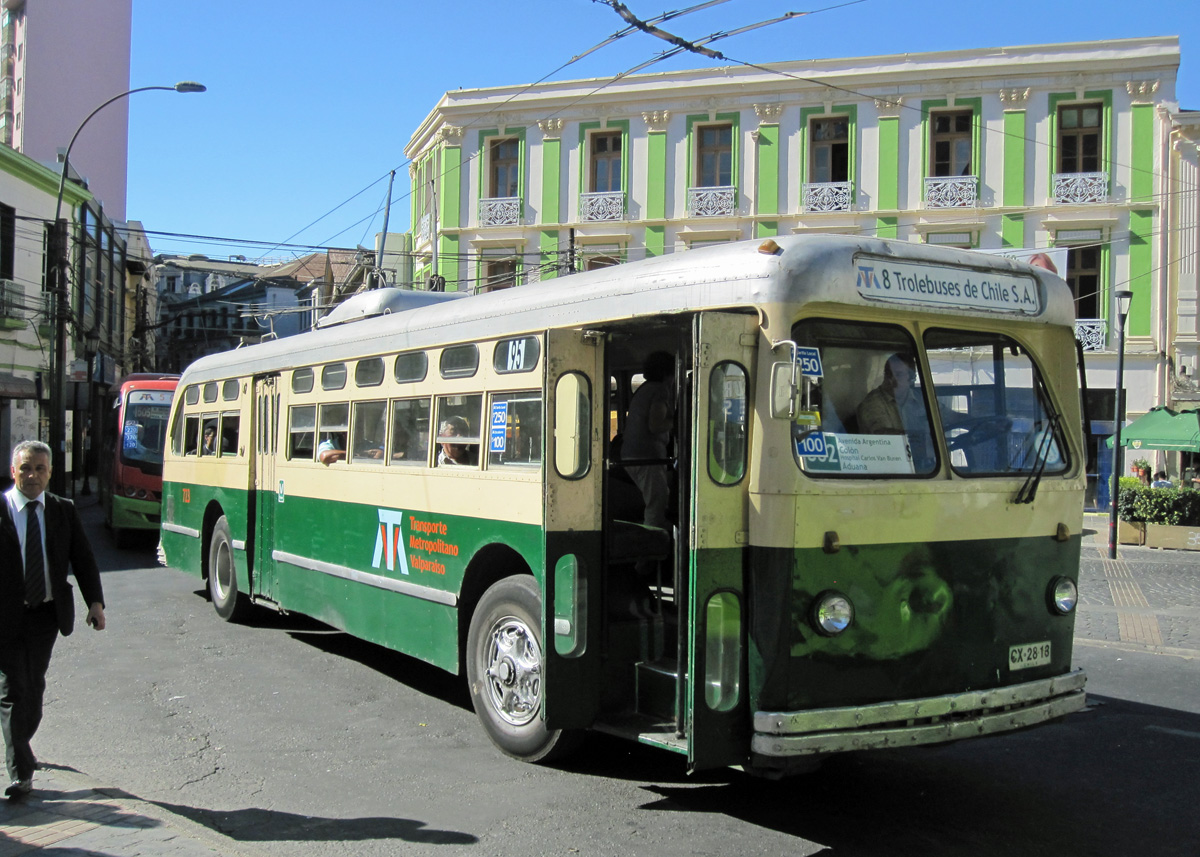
[(309, 104)]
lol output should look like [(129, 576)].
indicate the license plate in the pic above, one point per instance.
[(1028, 655)]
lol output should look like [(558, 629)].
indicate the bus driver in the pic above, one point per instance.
[(894, 407)]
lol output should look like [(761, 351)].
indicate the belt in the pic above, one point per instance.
[(44, 606)]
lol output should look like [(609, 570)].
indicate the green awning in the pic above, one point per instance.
[(1163, 428)]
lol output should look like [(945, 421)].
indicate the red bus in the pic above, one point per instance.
[(131, 455)]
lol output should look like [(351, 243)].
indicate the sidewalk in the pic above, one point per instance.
[(81, 818), (1147, 598)]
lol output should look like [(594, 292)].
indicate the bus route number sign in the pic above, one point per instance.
[(810, 362), (498, 436), (811, 444)]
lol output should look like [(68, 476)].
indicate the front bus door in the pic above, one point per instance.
[(717, 708), (265, 493), (573, 468)]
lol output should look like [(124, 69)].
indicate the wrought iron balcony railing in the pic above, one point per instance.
[(1080, 188), (951, 192), (827, 196), (602, 206), (500, 211), (1092, 333), (712, 201)]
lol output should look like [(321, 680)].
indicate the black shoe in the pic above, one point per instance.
[(19, 788)]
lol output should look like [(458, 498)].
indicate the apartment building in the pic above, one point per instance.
[(59, 59), (1061, 147)]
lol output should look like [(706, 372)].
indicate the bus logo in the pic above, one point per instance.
[(388, 546), (867, 278)]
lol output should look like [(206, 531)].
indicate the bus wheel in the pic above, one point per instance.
[(504, 669), (222, 575)]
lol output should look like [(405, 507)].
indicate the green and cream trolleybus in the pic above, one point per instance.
[(871, 537)]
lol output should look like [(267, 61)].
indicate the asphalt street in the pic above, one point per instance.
[(325, 745)]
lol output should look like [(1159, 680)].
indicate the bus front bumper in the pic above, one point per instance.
[(911, 722)]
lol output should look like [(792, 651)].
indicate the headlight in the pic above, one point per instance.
[(129, 490), (832, 613), (1063, 595)]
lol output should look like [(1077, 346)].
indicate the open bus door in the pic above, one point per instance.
[(265, 493), (717, 713), (573, 526)]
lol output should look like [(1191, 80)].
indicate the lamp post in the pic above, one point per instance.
[(60, 303), (1124, 296)]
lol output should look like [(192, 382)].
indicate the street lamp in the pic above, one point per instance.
[(1124, 296), (61, 297)]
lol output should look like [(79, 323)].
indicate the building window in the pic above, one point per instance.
[(505, 167), (606, 162), (714, 156), (1079, 127), (595, 263), (1083, 276), (499, 274), (950, 144), (829, 159)]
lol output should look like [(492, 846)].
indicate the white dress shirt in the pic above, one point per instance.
[(18, 507)]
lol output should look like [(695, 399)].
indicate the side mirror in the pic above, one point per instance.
[(785, 394)]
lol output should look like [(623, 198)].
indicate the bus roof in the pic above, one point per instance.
[(786, 269)]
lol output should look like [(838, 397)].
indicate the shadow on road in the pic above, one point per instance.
[(1117, 779), (267, 825)]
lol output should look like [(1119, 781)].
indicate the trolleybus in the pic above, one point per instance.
[(133, 435), (876, 473)]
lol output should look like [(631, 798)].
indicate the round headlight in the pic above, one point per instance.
[(832, 613), (130, 491), (141, 493), (1064, 595)]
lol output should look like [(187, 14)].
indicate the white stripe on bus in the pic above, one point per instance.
[(427, 593), (180, 530)]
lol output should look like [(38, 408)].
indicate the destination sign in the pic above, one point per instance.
[(934, 285)]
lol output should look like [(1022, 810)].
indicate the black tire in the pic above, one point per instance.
[(505, 664), (222, 575)]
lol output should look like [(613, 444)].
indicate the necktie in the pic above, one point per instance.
[(35, 565)]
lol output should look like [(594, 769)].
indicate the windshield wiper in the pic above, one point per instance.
[(1029, 490)]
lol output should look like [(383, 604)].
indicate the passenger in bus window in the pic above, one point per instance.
[(455, 453), (332, 448), (648, 427), (896, 407), (209, 445)]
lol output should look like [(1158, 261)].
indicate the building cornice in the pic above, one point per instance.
[(41, 177)]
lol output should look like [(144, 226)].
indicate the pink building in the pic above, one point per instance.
[(59, 60)]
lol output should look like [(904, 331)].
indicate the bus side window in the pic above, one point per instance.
[(410, 432), (515, 430), (302, 431), (367, 438), (458, 430), (191, 435), (230, 423), (209, 438), (333, 430)]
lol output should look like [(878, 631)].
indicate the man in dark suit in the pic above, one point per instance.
[(40, 536)]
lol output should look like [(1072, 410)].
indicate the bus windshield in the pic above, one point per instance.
[(144, 430), (874, 401)]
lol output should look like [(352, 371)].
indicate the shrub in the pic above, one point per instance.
[(1159, 505)]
